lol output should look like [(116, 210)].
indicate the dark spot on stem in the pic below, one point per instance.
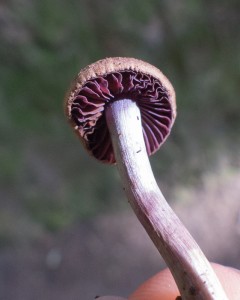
[(192, 291)]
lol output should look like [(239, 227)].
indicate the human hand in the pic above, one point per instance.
[(163, 287)]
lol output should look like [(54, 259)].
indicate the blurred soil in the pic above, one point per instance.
[(112, 254)]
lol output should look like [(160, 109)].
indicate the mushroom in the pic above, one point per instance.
[(123, 109)]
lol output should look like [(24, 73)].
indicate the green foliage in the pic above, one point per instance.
[(45, 43)]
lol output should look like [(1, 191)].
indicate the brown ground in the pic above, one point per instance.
[(112, 254)]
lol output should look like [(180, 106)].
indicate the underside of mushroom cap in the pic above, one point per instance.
[(113, 79)]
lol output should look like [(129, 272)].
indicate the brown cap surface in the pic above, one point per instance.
[(113, 79)]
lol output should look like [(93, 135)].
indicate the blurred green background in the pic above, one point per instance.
[(47, 181), (44, 170)]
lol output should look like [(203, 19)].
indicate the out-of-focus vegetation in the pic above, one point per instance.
[(46, 178)]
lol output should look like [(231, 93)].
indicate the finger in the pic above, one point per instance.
[(162, 285), (230, 280)]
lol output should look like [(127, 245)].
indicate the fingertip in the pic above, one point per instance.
[(230, 280), (160, 286)]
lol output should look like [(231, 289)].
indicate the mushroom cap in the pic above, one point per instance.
[(113, 79)]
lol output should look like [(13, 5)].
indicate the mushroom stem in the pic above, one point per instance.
[(191, 270)]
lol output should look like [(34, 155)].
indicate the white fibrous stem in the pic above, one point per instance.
[(191, 270)]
